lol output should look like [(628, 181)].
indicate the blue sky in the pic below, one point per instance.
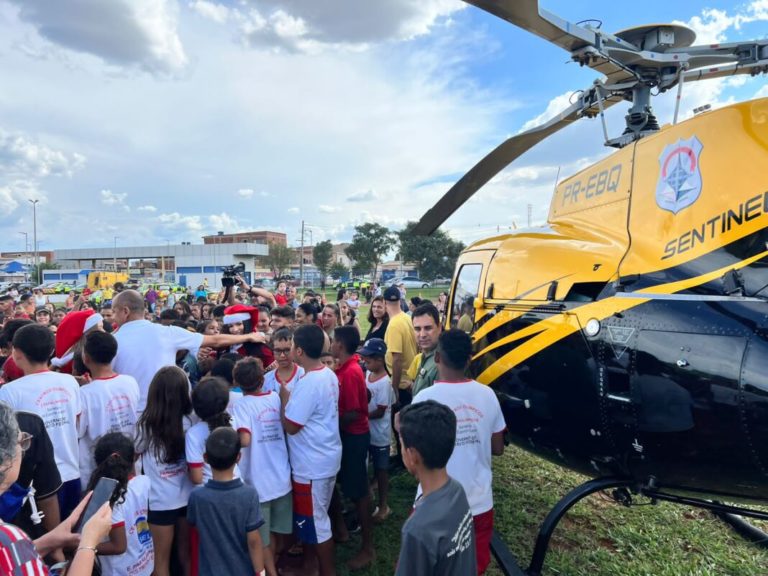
[(156, 120)]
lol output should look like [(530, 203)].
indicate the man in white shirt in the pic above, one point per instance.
[(143, 347), (53, 396), (310, 416), (109, 400), (479, 432)]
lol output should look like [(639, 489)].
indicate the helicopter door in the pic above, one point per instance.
[(683, 385)]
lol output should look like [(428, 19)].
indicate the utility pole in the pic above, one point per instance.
[(34, 237), (114, 256), (301, 256), (26, 255)]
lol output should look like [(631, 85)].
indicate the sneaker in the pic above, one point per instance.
[(380, 515)]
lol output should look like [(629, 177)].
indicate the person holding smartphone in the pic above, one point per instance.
[(15, 551)]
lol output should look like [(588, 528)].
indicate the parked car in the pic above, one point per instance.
[(354, 283), (409, 282), (441, 281)]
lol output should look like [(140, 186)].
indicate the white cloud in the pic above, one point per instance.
[(293, 210), (116, 199), (299, 26), (211, 10), (245, 193), (176, 222), (711, 26), (762, 93), (140, 33), (366, 196), (20, 155), (554, 107), (147, 208), (326, 209), (8, 203), (224, 222)]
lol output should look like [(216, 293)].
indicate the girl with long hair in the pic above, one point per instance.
[(161, 430), (129, 549)]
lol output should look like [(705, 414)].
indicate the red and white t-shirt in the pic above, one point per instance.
[(234, 397), (109, 405), (55, 397), (265, 462), (195, 447), (478, 417), (139, 556), (18, 555), (381, 397), (272, 380), (170, 485), (315, 450)]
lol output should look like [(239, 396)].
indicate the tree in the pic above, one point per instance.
[(321, 255), (338, 270), (369, 245), (278, 259), (36, 271), (434, 255)]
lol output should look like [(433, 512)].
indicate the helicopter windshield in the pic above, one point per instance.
[(465, 291)]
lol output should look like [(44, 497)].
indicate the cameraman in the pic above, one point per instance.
[(252, 291)]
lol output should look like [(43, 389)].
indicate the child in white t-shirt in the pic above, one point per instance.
[(109, 400), (287, 372), (479, 433), (264, 460), (379, 385), (310, 416), (209, 399), (161, 429), (53, 396), (129, 549)]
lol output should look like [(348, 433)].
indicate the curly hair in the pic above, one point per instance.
[(9, 439)]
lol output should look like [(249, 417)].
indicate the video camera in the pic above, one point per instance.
[(228, 274)]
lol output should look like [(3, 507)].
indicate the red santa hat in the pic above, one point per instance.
[(241, 313), (71, 329)]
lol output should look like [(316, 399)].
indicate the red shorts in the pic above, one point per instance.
[(483, 532)]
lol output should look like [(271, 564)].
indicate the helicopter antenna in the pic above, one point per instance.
[(633, 62), (557, 178)]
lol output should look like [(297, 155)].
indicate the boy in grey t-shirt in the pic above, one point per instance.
[(438, 538), (226, 513)]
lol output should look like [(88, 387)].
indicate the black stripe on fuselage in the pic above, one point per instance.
[(730, 254)]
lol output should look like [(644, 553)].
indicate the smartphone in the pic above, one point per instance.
[(103, 492)]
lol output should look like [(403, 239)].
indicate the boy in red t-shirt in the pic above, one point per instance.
[(355, 438)]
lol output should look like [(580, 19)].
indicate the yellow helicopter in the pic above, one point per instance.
[(628, 338)]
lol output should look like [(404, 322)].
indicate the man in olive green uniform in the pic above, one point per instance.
[(426, 324)]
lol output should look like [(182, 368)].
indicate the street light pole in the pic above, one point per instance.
[(34, 236)]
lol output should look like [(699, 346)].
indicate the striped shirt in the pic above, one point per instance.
[(18, 556)]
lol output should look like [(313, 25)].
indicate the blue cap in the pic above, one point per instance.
[(373, 347)]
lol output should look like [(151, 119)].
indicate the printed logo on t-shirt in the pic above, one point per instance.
[(53, 403), (120, 412), (142, 531), (462, 538)]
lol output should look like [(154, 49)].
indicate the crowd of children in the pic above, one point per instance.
[(254, 457)]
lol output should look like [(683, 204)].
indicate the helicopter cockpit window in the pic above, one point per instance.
[(464, 294)]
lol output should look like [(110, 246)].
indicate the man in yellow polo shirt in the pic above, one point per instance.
[(401, 350)]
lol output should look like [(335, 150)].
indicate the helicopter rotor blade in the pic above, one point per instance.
[(501, 157), (527, 15)]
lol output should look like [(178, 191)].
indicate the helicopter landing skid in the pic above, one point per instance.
[(504, 557)]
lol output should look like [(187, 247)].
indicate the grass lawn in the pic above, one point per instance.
[(597, 537)]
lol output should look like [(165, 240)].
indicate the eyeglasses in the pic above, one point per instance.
[(281, 351), (25, 441)]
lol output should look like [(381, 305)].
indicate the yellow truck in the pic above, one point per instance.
[(99, 280)]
